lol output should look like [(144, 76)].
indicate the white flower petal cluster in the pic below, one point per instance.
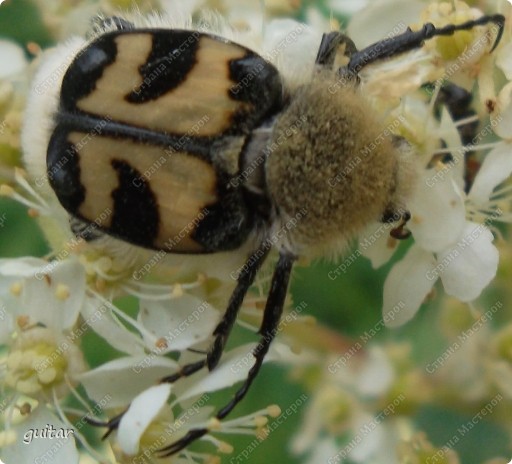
[(29, 448), (447, 247), (151, 423), (342, 408), (12, 59), (40, 304), (451, 227)]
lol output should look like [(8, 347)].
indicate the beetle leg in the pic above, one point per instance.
[(268, 330)]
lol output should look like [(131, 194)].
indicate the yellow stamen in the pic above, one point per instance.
[(273, 410), (225, 448), (62, 292), (6, 190), (16, 288)]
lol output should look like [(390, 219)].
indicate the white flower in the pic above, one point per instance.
[(380, 19), (452, 235), (341, 409), (447, 246), (40, 302), (165, 323), (178, 323), (151, 422), (26, 448), (143, 409), (347, 7), (122, 379), (495, 169), (468, 369), (50, 293), (450, 228), (12, 59), (323, 450)]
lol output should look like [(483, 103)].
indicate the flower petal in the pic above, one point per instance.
[(281, 352), (182, 322), (52, 293), (323, 450), (143, 409), (376, 244), (504, 59), (233, 367), (376, 374), (449, 132), (63, 450), (407, 285), (56, 295), (381, 19), (502, 118), (97, 315), (12, 58), (292, 46), (122, 379), (371, 442), (497, 167), (469, 266), (438, 212), (26, 266), (346, 7)]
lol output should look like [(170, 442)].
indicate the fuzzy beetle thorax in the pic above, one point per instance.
[(335, 166)]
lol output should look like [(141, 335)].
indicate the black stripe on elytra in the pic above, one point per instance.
[(85, 70), (172, 57), (227, 223), (136, 217), (63, 170), (258, 83)]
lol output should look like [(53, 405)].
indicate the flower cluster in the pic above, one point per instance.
[(452, 214)]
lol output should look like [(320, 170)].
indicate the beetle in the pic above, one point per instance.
[(242, 176)]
